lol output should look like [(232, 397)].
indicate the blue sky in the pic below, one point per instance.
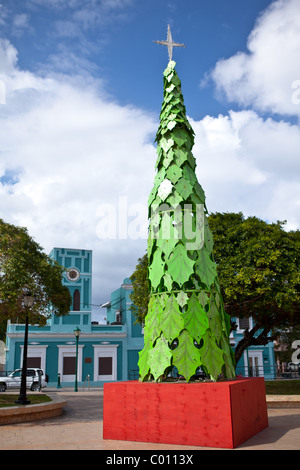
[(80, 95), (114, 40)]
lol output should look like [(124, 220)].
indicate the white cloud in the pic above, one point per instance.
[(71, 150), (8, 56), (20, 24), (248, 164), (264, 76), (253, 163)]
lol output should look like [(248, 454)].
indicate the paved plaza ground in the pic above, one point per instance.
[(80, 428)]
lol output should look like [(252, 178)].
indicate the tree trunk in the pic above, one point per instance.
[(250, 339)]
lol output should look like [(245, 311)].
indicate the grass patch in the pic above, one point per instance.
[(283, 387), (9, 400)]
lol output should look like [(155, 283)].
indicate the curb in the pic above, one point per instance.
[(21, 414), (283, 401)]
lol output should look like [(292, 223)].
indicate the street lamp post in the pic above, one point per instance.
[(77, 332), (28, 302)]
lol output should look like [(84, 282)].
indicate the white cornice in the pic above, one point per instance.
[(68, 335)]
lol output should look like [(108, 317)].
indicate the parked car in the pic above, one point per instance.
[(35, 380)]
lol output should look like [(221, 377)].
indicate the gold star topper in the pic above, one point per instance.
[(169, 43)]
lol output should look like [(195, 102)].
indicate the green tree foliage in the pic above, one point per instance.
[(23, 263), (258, 266), (140, 295), (258, 271)]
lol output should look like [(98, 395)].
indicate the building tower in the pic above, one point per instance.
[(78, 279)]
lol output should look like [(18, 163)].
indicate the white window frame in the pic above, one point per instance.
[(36, 351), (105, 351), (254, 353), (69, 351), (241, 330)]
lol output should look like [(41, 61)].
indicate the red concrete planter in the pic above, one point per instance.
[(221, 414)]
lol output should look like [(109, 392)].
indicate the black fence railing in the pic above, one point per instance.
[(268, 371)]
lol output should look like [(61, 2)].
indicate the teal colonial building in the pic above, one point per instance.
[(106, 352)]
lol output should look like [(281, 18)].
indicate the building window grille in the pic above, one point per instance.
[(243, 323), (105, 366), (69, 365)]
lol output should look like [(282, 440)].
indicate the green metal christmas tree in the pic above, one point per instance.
[(186, 325)]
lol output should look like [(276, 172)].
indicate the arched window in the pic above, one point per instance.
[(76, 300)]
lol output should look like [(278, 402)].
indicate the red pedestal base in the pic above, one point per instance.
[(221, 414)]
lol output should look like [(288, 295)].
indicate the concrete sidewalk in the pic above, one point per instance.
[(80, 428)]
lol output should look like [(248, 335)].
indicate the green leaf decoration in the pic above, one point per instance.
[(186, 357), (152, 195), (168, 281), (169, 71), (168, 245), (166, 231), (180, 266), (189, 174), (168, 159), (170, 88), (182, 298), (167, 235), (199, 192), (164, 189), (160, 155), (160, 358), (171, 321), (171, 125), (191, 232), (151, 242), (174, 173), (195, 318), (152, 324), (180, 156), (176, 80), (191, 159), (215, 319), (203, 299), (143, 362), (156, 270), (166, 144), (208, 236), (174, 199), (212, 356), (154, 223), (160, 176), (205, 267), (184, 187), (180, 137)]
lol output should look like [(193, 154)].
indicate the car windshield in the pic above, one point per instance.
[(16, 373)]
